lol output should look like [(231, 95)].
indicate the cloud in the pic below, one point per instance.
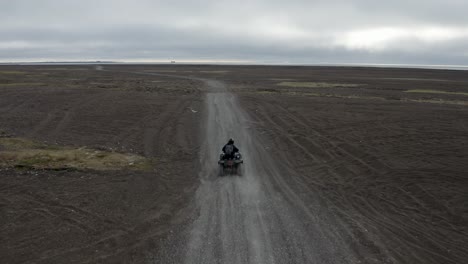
[(300, 31), (381, 39)]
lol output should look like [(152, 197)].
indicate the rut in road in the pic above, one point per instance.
[(254, 218)]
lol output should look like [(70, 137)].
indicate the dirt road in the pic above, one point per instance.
[(256, 218)]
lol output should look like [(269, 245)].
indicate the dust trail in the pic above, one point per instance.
[(255, 218)]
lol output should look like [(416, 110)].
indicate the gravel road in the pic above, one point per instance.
[(257, 217)]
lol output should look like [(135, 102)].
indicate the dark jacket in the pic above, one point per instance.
[(234, 151)]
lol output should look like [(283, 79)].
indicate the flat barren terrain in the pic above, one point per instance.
[(117, 164)]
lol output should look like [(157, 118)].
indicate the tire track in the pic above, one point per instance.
[(358, 181)]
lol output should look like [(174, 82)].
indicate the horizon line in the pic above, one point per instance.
[(238, 62)]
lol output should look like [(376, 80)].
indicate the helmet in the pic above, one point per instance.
[(231, 141)]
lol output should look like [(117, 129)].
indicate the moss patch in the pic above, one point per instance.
[(19, 143), (317, 84), (435, 92), (374, 98), (20, 152)]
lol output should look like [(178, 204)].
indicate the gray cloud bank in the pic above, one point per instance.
[(362, 31)]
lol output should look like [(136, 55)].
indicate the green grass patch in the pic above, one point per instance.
[(19, 143), (435, 92), (20, 152), (317, 84)]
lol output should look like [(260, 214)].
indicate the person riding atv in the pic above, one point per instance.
[(229, 150), (230, 160)]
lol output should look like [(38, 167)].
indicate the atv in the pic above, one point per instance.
[(230, 165)]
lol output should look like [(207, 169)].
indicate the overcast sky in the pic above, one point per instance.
[(262, 31)]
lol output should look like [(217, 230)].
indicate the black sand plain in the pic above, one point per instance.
[(386, 150)]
